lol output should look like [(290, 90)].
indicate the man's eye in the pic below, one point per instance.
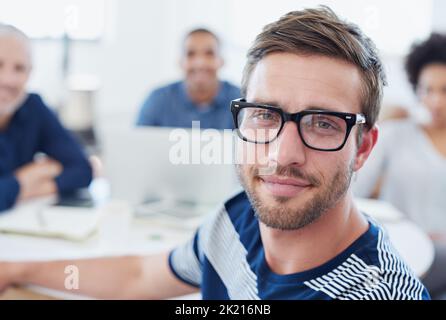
[(324, 125), (20, 68), (210, 53), (263, 115)]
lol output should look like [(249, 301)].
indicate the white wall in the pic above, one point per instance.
[(140, 51), (141, 47), (439, 18), (399, 92)]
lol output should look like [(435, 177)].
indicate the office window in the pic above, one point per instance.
[(51, 19)]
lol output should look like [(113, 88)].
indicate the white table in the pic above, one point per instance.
[(120, 234)]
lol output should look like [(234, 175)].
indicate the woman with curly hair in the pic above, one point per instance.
[(408, 166)]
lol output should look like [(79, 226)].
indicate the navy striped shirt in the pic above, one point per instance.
[(226, 260)]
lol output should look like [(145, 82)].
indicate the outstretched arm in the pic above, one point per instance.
[(129, 277)]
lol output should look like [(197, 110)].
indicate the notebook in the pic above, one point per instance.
[(70, 223)]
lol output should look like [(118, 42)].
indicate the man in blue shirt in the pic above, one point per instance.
[(201, 96), (29, 129), (313, 88)]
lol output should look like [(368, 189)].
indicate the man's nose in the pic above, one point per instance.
[(288, 149), (199, 61)]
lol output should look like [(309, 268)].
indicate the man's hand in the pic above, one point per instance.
[(37, 178)]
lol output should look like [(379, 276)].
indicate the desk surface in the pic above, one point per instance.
[(24, 294), (120, 234)]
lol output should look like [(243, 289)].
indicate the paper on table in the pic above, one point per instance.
[(69, 223)]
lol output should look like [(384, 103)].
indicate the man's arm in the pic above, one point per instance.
[(59, 144), (37, 179), (129, 277), (9, 190)]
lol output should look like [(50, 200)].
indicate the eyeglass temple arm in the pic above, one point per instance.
[(360, 118)]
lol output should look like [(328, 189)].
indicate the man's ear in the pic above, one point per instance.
[(368, 142)]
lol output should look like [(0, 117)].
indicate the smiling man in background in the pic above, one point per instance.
[(201, 96)]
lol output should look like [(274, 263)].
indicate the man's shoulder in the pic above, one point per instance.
[(34, 99), (34, 107), (395, 282), (166, 90), (396, 279), (381, 272), (373, 271), (230, 88)]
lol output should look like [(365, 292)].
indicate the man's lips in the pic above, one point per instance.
[(284, 187)]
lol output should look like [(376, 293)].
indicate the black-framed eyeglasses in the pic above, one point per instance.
[(319, 129)]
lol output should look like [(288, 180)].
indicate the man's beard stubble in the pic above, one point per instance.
[(278, 215)]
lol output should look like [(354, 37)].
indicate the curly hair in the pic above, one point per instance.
[(422, 54)]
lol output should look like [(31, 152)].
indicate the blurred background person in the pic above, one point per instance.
[(201, 96), (408, 167), (38, 157), (394, 112)]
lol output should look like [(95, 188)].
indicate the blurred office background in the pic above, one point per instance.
[(96, 60)]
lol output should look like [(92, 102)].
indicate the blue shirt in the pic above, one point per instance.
[(226, 260), (34, 128), (170, 106)]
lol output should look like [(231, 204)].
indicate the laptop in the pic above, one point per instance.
[(177, 173)]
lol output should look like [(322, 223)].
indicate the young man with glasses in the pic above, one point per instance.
[(312, 88)]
